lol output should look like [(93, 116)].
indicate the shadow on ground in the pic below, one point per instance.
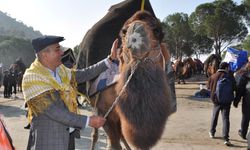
[(84, 142), (11, 111)]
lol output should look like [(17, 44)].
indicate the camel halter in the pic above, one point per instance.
[(133, 68), (123, 88)]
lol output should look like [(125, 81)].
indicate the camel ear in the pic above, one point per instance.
[(165, 52)]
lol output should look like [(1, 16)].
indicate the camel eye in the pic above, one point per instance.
[(124, 31), (156, 32)]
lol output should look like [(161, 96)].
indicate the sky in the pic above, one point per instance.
[(72, 18)]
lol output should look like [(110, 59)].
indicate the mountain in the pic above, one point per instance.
[(10, 27), (15, 41), (12, 48)]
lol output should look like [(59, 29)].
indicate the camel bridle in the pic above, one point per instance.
[(136, 61)]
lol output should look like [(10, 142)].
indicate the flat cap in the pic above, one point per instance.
[(44, 41)]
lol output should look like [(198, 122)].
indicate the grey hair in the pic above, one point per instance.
[(38, 55)]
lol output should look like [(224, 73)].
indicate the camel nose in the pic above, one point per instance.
[(137, 39)]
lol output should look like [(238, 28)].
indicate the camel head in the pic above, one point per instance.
[(141, 39)]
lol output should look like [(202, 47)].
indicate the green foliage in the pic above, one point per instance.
[(181, 39), (246, 6), (12, 48), (76, 50), (178, 34), (201, 45), (239, 46), (246, 44), (15, 41), (221, 21)]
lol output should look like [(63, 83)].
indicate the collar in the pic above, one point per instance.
[(55, 74)]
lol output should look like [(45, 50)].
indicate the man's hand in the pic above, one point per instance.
[(114, 49), (96, 121)]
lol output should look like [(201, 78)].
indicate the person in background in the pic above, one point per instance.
[(6, 84), (49, 89), (224, 108), (13, 80), (243, 92)]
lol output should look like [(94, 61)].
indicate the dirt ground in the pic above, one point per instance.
[(187, 129)]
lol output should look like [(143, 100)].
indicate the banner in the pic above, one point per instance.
[(235, 58)]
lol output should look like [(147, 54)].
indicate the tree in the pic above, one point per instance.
[(182, 40), (246, 4), (246, 44), (221, 21), (178, 34), (201, 45), (76, 50), (12, 48)]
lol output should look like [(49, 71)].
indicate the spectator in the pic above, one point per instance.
[(219, 106), (6, 84), (243, 92)]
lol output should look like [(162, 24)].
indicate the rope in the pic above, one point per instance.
[(142, 5), (95, 110), (123, 88)]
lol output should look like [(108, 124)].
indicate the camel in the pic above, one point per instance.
[(138, 105), (211, 64), (180, 71), (199, 66)]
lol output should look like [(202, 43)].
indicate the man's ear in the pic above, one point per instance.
[(44, 54)]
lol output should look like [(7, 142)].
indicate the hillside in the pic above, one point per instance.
[(11, 27), (15, 39), (12, 48)]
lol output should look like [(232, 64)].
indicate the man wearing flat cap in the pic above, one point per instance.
[(49, 90)]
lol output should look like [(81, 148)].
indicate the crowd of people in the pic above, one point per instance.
[(226, 88), (12, 78)]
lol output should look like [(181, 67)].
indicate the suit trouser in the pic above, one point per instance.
[(72, 136), (225, 112), (71, 142)]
